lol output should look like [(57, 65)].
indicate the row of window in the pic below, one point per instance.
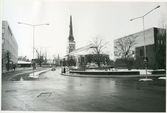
[(10, 37), (72, 47), (10, 44), (162, 42), (3, 32), (10, 30)]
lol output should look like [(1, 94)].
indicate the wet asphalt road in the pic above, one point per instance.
[(54, 92)]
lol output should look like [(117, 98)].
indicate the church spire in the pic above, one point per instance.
[(71, 37), (70, 42)]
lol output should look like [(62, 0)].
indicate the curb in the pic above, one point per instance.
[(36, 74), (17, 69), (112, 76)]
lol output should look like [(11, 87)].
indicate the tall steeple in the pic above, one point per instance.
[(71, 37), (70, 42)]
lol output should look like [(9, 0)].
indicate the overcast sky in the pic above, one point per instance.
[(107, 20)]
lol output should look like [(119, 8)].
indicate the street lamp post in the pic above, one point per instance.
[(33, 35), (145, 54)]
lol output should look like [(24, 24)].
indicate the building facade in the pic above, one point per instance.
[(84, 58), (9, 47), (155, 44)]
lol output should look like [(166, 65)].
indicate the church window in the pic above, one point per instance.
[(158, 41), (141, 52), (3, 32), (82, 59), (162, 42)]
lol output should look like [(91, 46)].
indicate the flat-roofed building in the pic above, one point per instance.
[(9, 47), (155, 43)]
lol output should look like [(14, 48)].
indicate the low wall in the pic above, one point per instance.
[(107, 73), (158, 72)]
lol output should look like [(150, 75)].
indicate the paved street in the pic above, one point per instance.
[(54, 92)]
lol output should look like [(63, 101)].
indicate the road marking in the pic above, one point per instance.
[(7, 91), (46, 93)]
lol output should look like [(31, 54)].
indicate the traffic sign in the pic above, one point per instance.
[(146, 64), (145, 59)]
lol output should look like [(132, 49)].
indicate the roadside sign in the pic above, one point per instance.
[(146, 64), (145, 59)]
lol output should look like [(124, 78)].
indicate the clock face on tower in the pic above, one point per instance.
[(70, 46)]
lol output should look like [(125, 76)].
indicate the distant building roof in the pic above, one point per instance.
[(82, 50), (23, 62), (86, 50)]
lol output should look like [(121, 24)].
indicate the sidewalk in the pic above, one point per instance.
[(17, 69), (13, 75), (36, 74)]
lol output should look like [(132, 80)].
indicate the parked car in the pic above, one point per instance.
[(53, 69)]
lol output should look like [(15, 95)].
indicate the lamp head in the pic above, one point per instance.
[(157, 7), (93, 47)]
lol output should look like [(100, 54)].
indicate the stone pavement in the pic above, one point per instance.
[(36, 74), (56, 93)]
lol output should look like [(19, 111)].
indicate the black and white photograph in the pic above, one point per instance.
[(83, 56)]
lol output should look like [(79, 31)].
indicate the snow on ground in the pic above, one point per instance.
[(142, 71)]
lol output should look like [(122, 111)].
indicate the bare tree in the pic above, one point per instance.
[(20, 58), (162, 21), (98, 46), (123, 49), (27, 60), (24, 58), (162, 25), (56, 59), (40, 56)]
